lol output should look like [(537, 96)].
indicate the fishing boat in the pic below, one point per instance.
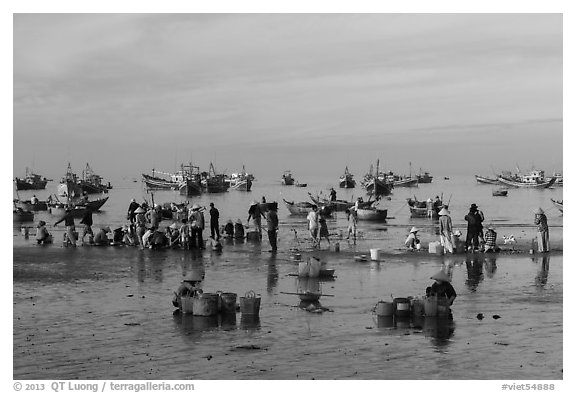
[(372, 214), (298, 208), (423, 209), (22, 215), (31, 181), (486, 180), (31, 207), (500, 192), (402, 181), (424, 177), (301, 184), (347, 180), (534, 179), (158, 183), (214, 182), (241, 181), (69, 186), (91, 183), (376, 184), (559, 204), (339, 204), (559, 179), (189, 180), (58, 208), (309, 296), (287, 178)]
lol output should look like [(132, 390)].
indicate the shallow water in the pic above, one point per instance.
[(106, 313)]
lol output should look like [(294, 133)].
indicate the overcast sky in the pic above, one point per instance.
[(451, 93)]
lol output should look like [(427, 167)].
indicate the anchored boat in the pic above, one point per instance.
[(32, 181), (534, 179), (347, 180)]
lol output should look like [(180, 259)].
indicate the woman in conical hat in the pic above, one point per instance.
[(412, 241), (442, 287), (445, 222), (543, 234)]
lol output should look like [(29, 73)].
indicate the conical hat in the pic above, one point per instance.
[(139, 211), (195, 207), (539, 211), (443, 212), (173, 226), (441, 276), (194, 276), (253, 203), (414, 229)]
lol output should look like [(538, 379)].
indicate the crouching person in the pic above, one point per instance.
[(101, 238), (412, 241), (42, 235), (490, 240), (190, 287)]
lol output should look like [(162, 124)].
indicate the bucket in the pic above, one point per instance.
[(442, 308), (205, 304), (430, 306), (385, 322), (401, 307), (375, 254), (228, 302), (314, 267), (417, 307), (384, 309), (303, 269), (253, 236), (250, 303), (435, 248), (187, 304)]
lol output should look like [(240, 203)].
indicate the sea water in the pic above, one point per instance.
[(106, 312)]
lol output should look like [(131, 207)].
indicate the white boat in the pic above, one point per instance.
[(534, 179), (558, 204), (241, 181)]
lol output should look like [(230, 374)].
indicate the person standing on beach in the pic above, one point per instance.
[(272, 226), (214, 216), (140, 221), (543, 237), (197, 224), (352, 217), (70, 227), (323, 226), (313, 224), (256, 214), (473, 219), (332, 195), (87, 221), (445, 222), (131, 209)]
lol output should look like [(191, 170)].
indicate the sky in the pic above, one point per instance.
[(312, 93)]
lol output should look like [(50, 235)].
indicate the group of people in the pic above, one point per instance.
[(476, 239), (317, 226)]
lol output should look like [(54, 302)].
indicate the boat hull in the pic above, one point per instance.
[(378, 187), (29, 207), (93, 189), (347, 183), (23, 216), (78, 210), (190, 188), (513, 183), (372, 214), (406, 183), (559, 205), (500, 193), (486, 180), (298, 209), (24, 185), (241, 185), (69, 189), (157, 183)]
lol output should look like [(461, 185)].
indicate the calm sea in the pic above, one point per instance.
[(106, 313)]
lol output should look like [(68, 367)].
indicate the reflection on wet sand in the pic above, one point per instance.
[(543, 269), (272, 277), (474, 268), (439, 328), (490, 265)]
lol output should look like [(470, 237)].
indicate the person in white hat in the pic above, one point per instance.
[(442, 287), (445, 222), (412, 241), (197, 225), (173, 235), (140, 221), (190, 287), (541, 222)]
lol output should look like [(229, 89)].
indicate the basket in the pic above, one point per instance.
[(187, 304), (250, 303)]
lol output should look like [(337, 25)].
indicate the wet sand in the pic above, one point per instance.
[(106, 313)]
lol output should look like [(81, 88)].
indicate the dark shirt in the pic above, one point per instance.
[(68, 220), (272, 220), (214, 214), (443, 289), (87, 218)]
